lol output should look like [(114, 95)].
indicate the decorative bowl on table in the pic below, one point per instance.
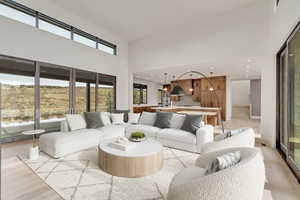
[(137, 137)]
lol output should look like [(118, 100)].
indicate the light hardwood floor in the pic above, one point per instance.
[(20, 183), (18, 180)]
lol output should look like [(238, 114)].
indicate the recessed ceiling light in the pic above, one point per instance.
[(249, 60)]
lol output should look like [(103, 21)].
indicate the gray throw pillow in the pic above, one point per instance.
[(163, 119), (191, 123), (224, 161), (93, 120)]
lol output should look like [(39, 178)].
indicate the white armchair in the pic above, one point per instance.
[(244, 137), (244, 181)]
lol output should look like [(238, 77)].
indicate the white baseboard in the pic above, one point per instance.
[(255, 117)]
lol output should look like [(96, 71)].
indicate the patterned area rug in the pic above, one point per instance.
[(78, 177)]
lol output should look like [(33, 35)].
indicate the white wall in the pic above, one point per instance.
[(228, 98), (227, 39), (152, 88), (24, 41), (282, 22), (240, 93)]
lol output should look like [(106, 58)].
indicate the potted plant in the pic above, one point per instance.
[(137, 136)]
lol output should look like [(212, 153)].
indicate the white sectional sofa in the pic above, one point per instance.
[(59, 144)]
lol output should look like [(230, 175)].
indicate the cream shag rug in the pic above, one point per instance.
[(78, 177)]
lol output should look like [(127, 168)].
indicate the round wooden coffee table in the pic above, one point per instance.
[(142, 160)]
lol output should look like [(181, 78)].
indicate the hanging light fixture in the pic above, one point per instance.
[(165, 86), (191, 89)]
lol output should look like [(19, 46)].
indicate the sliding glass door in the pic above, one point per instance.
[(289, 101), (294, 72), (106, 93), (85, 91), (54, 95), (16, 96), (284, 117)]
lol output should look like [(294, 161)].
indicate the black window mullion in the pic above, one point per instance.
[(40, 16), (37, 97)]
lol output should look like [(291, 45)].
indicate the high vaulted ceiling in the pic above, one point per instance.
[(136, 19)]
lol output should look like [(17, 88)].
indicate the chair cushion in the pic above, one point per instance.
[(224, 161), (187, 175), (177, 135), (149, 131), (147, 118)]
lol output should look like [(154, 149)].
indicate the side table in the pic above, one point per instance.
[(34, 150)]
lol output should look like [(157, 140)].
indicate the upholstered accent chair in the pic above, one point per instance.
[(243, 181), (244, 137)]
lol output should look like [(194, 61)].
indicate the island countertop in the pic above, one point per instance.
[(187, 108)]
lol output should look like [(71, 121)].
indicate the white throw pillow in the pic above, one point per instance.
[(117, 118), (177, 121), (76, 121), (133, 118), (147, 118), (105, 117)]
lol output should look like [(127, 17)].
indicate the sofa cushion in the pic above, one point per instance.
[(149, 131), (133, 118), (147, 118), (117, 118), (192, 123), (177, 120), (105, 117), (59, 144), (177, 135), (163, 119), (125, 112), (76, 121), (93, 119), (114, 130)]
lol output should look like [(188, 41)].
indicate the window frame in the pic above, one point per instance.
[(141, 88), (101, 79), (40, 16)]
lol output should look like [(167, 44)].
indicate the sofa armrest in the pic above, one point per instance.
[(244, 139), (64, 126), (204, 135)]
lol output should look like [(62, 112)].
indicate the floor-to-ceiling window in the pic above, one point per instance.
[(85, 91), (289, 101), (106, 93), (16, 96), (39, 95), (54, 95), (294, 68)]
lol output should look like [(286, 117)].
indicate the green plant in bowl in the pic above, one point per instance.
[(137, 135)]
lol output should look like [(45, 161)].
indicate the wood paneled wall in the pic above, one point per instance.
[(202, 94)]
